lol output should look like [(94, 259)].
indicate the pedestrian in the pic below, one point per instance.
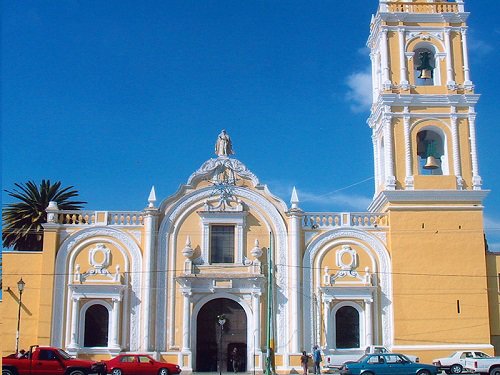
[(317, 359), (304, 361), (235, 359)]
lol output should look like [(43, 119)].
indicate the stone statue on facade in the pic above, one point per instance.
[(223, 145)]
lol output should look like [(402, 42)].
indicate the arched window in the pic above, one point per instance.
[(425, 64), (347, 328), (96, 326), (430, 152)]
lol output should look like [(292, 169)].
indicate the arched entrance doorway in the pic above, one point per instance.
[(212, 348)]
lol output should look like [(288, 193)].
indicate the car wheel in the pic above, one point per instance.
[(367, 373), (7, 372), (456, 369), (423, 372), (116, 371), (163, 371), (495, 371), (76, 372)]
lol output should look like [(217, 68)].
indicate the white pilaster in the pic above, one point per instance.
[(368, 323), (408, 159), (115, 324), (402, 61), (326, 316), (456, 148), (150, 215), (390, 179), (476, 178), (186, 321), (450, 83), (376, 161), (256, 310), (295, 214), (74, 323), (467, 82), (384, 51)]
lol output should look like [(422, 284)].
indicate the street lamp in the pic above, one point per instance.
[(221, 319), (20, 287)]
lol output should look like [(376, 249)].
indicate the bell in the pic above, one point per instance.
[(431, 163), (425, 74)]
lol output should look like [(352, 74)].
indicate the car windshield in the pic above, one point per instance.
[(453, 355), (63, 354), (362, 358)]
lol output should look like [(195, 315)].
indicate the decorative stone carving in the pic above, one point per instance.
[(256, 251), (188, 250)]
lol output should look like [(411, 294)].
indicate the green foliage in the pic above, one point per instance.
[(22, 220)]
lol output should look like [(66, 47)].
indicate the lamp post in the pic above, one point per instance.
[(221, 319), (20, 287)]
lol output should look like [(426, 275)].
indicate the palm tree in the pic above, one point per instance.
[(22, 220)]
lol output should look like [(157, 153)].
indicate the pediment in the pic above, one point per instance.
[(222, 169)]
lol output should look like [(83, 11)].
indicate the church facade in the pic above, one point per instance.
[(224, 264)]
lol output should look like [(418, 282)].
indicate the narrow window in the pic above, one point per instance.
[(347, 328), (222, 244), (96, 326)]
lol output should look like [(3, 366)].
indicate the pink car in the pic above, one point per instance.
[(140, 364)]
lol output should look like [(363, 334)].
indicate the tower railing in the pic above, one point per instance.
[(423, 7)]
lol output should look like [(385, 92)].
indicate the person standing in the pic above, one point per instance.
[(235, 359), (304, 361), (317, 359)]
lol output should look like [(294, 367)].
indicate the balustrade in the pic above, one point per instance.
[(126, 218), (328, 220), (421, 7)]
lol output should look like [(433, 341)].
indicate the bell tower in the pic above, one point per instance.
[(423, 113), (427, 180)]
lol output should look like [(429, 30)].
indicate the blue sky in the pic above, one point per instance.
[(116, 96)]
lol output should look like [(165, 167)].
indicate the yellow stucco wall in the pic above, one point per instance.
[(428, 250)]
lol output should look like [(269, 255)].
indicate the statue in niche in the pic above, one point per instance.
[(223, 146)]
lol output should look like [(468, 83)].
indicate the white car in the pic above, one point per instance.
[(454, 364)]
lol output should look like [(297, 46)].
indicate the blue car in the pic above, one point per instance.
[(387, 364)]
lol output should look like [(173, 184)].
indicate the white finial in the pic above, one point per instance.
[(256, 251), (295, 198), (152, 197), (188, 250)]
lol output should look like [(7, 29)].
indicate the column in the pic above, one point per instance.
[(467, 82), (384, 51), (257, 352), (326, 316), (368, 323), (186, 321), (115, 324), (476, 179), (376, 161), (450, 83), (408, 154), (74, 322), (456, 149), (295, 262), (390, 179), (150, 215), (403, 79)]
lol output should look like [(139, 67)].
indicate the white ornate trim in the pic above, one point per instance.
[(65, 258), (385, 280), (208, 168), (167, 256)]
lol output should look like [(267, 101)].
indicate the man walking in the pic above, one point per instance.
[(317, 359)]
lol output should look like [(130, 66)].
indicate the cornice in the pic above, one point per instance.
[(429, 197), (423, 17)]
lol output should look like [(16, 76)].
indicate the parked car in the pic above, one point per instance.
[(454, 364), (336, 360), (47, 360), (140, 364), (490, 365), (387, 363)]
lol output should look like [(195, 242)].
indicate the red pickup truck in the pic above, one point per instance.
[(49, 361)]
